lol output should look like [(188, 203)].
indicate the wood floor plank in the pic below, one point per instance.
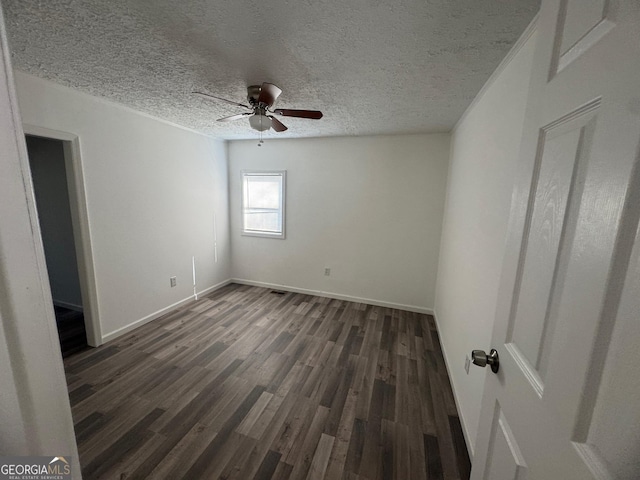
[(432, 456), (443, 429), (117, 422), (247, 424), (341, 444), (208, 461), (301, 459), (321, 458), (282, 471), (130, 463), (180, 455), (417, 459), (262, 447), (356, 447), (464, 464), (268, 466), (401, 453), (250, 384), (371, 466), (264, 421), (126, 445), (389, 455), (297, 421)]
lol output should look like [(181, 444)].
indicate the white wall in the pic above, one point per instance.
[(484, 151), (46, 158), (369, 208), (152, 191)]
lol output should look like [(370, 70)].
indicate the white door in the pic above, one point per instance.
[(565, 404)]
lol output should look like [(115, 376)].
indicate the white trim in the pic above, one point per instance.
[(500, 68), (70, 306), (113, 103), (447, 363), (81, 227), (138, 323), (337, 296), (37, 131)]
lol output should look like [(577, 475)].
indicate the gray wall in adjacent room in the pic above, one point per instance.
[(46, 158)]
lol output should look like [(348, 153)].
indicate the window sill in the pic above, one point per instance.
[(279, 236)]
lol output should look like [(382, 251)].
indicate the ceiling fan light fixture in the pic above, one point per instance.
[(261, 99), (260, 122)]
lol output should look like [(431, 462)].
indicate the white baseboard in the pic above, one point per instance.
[(447, 365), (138, 323), (70, 306), (337, 296)]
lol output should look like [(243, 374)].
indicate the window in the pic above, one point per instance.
[(263, 203)]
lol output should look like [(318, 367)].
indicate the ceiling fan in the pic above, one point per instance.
[(261, 100)]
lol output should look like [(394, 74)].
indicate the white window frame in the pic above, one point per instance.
[(258, 233)]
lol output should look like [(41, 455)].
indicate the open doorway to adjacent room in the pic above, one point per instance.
[(48, 172), (59, 209)]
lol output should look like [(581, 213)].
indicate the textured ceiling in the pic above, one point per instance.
[(372, 67)]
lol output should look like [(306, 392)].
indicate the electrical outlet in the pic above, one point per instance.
[(467, 363), (327, 272), (172, 281)]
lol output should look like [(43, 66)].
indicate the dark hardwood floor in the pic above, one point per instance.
[(250, 384), (71, 330)]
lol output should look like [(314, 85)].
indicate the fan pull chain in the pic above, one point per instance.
[(261, 140)]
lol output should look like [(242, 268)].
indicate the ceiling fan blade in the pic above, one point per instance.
[(269, 93), (209, 97), (287, 112), (234, 117), (276, 124)]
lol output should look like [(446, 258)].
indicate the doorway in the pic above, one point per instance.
[(58, 184), (49, 177)]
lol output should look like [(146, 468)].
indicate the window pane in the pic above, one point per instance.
[(263, 203), (263, 191), (265, 220)]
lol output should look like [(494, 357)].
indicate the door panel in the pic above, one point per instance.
[(566, 318), (505, 459), (582, 23), (563, 152)]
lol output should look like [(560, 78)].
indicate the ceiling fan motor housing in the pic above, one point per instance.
[(253, 92)]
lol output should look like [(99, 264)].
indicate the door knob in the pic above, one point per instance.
[(480, 358)]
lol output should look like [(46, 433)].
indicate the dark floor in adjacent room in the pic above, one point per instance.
[(71, 330), (247, 383)]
